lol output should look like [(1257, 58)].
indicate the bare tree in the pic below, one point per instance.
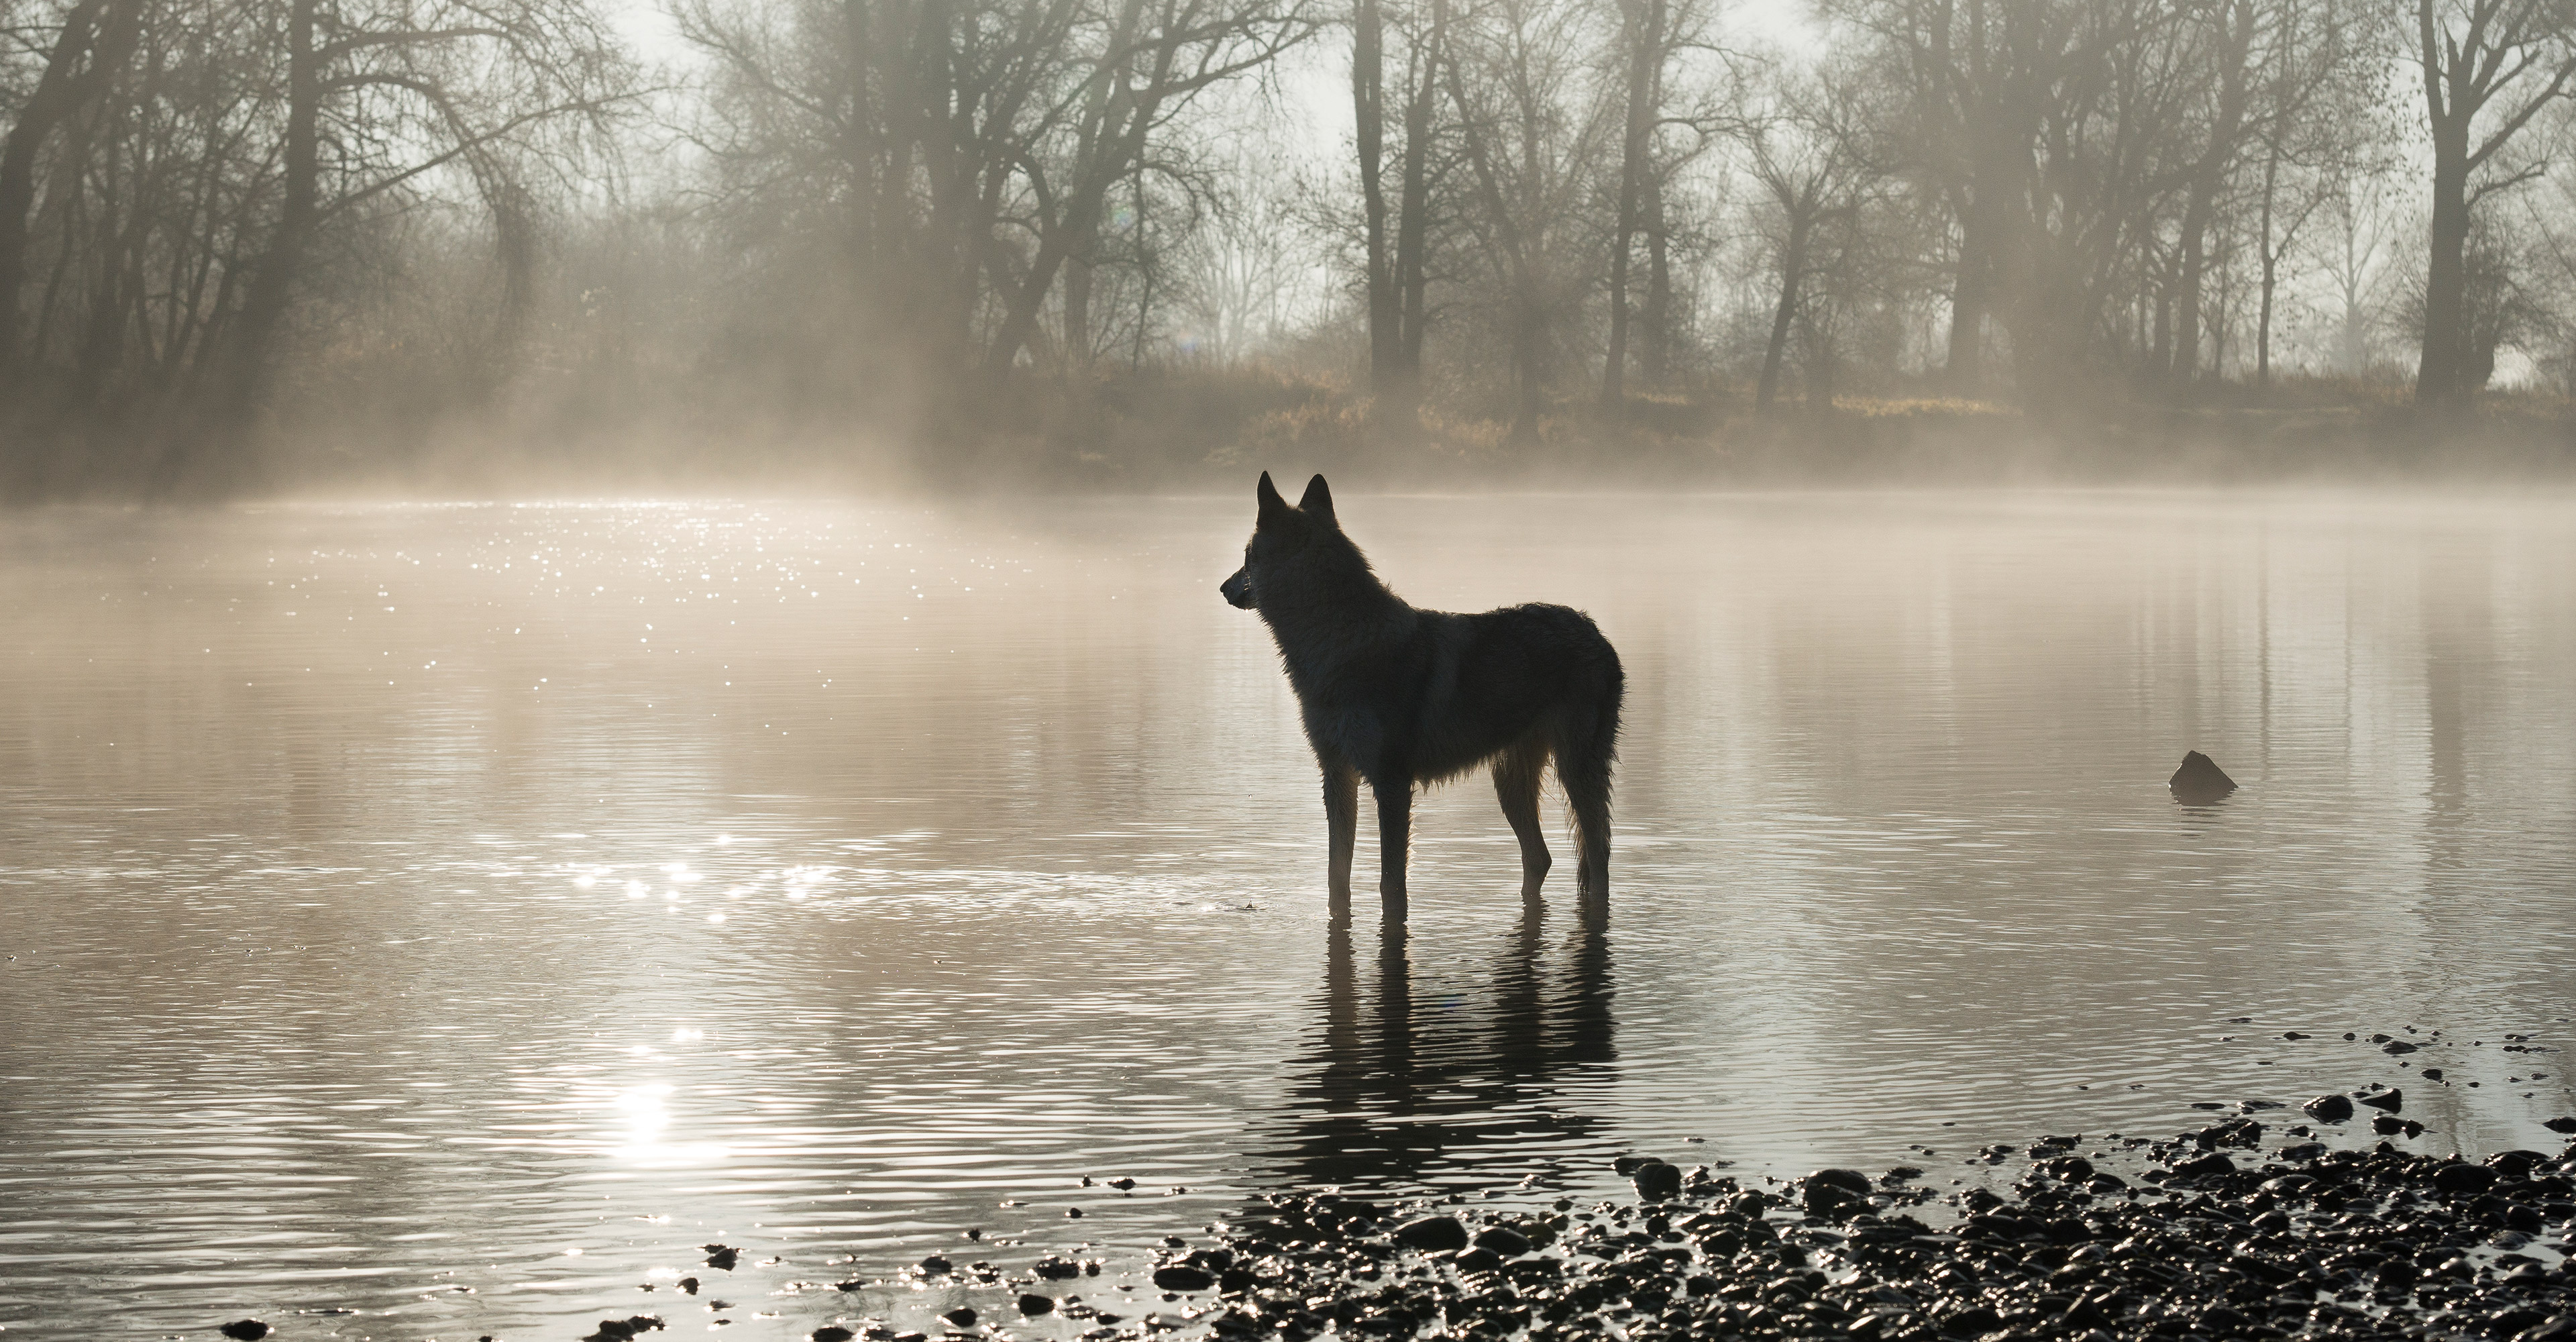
[(91, 45), (1532, 121), (2489, 67), (1806, 148)]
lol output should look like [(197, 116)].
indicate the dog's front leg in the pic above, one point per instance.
[(1394, 836), (1342, 819)]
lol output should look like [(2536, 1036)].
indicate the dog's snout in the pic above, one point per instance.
[(1238, 589)]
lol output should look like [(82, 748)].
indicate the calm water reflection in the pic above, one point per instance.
[(403, 899)]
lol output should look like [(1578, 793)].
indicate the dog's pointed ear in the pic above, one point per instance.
[(1318, 503), (1274, 509)]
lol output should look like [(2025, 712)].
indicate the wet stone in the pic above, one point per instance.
[(1432, 1233), (961, 1317), (244, 1330), (2329, 1108), (2455, 1180), (1182, 1277), (1657, 1181), (721, 1256), (1032, 1304)]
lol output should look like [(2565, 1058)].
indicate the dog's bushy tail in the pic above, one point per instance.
[(1586, 750)]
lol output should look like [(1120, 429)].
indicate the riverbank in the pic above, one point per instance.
[(2269, 1222)]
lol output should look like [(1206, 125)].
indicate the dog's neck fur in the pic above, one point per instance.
[(1325, 606)]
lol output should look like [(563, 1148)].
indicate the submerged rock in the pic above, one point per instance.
[(244, 1330), (2200, 781), (1032, 1304)]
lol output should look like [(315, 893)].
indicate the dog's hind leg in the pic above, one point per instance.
[(1342, 819), (1516, 779), (1394, 837), (1583, 760)]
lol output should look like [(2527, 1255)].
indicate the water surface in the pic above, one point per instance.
[(459, 914)]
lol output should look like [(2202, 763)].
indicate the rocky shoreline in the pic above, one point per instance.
[(2250, 1227)]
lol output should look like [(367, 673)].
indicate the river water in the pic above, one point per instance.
[(460, 914)]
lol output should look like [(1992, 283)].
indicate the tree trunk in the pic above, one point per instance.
[(1077, 313), (105, 38), (2271, 274), (1654, 354), (1971, 294), (1793, 265), (2183, 361), (264, 307), (1413, 227), (1368, 110), (1643, 29), (2438, 379), (1529, 360)]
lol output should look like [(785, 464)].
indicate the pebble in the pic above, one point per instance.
[(245, 1330)]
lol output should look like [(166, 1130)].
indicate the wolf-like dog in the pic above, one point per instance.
[(1399, 697)]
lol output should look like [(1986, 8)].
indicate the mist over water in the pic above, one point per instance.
[(405, 897)]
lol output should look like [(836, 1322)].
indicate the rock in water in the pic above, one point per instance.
[(1432, 1233), (2200, 781), (1657, 1181), (1182, 1277), (247, 1330)]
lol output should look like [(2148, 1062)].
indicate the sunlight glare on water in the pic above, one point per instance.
[(404, 898)]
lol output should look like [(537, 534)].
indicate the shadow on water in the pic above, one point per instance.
[(1408, 1093)]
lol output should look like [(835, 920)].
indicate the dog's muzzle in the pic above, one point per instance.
[(1238, 589)]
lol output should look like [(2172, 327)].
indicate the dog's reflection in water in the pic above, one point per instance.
[(1472, 1091)]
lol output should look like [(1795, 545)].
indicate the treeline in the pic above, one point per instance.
[(241, 237)]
